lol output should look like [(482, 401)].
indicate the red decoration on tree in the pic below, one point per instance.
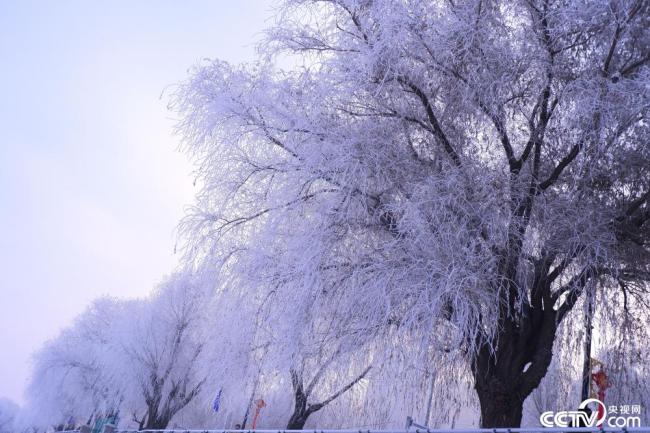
[(601, 381), (259, 404)]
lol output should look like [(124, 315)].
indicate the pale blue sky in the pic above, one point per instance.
[(91, 184)]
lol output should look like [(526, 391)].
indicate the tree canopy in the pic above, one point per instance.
[(426, 200), (468, 166)]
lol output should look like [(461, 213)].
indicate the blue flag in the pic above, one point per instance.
[(217, 401)]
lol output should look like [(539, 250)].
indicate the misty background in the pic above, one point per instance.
[(91, 183)]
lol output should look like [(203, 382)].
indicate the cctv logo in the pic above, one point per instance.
[(574, 418), (581, 417)]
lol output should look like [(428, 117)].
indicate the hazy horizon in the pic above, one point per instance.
[(92, 184)]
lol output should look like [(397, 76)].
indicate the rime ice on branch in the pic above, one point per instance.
[(468, 166)]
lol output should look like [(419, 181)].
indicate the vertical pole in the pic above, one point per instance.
[(427, 418), (586, 366), (250, 402), (248, 408)]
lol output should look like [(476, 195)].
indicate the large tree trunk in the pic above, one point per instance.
[(501, 405), (508, 370)]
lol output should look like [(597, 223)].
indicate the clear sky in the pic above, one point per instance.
[(91, 182)]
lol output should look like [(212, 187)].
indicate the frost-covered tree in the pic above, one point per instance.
[(161, 345), (8, 412), (476, 163), (72, 380), (140, 360), (321, 372), (277, 352)]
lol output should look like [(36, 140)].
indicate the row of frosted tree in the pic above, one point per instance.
[(183, 359), (427, 203)]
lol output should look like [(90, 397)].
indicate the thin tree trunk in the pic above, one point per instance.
[(297, 421), (302, 410)]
